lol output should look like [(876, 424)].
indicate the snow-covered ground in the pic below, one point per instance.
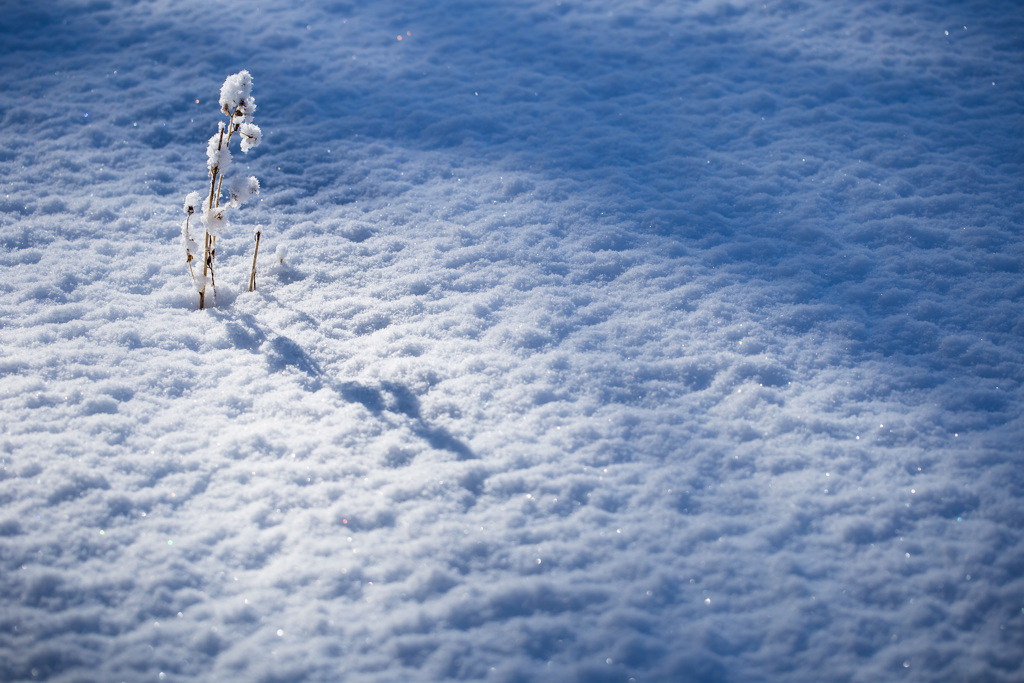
[(616, 340)]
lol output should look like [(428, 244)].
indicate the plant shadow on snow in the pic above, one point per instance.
[(387, 399)]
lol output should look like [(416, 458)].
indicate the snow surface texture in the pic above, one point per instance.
[(616, 340)]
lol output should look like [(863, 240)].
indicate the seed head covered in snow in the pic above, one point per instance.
[(243, 188), (214, 220), (246, 108), (251, 135), (235, 90), (192, 202), (218, 156)]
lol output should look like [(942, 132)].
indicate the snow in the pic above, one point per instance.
[(605, 341)]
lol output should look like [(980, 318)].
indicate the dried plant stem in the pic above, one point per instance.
[(219, 186), (207, 267), (256, 250), (214, 201), (213, 257), (188, 235), (214, 190)]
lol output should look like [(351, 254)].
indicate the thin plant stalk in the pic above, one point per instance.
[(252, 275), (188, 219), (208, 254)]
